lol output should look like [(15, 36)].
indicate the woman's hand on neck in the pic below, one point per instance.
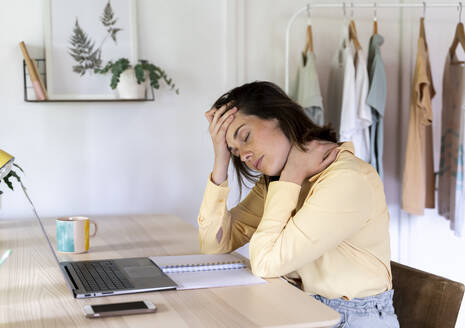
[(303, 164)]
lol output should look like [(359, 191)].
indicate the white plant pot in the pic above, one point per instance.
[(128, 88)]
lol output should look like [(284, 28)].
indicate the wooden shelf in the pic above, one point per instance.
[(42, 61), (89, 100)]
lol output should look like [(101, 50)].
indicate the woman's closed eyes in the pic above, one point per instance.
[(234, 151), (247, 137)]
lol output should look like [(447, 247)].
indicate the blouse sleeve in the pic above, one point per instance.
[(285, 241), (222, 231)]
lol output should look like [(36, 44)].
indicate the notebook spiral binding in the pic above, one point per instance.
[(203, 267)]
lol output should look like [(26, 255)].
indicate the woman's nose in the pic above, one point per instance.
[(246, 156)]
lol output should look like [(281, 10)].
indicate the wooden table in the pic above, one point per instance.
[(33, 291)]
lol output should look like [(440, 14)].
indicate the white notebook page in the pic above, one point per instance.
[(205, 271)]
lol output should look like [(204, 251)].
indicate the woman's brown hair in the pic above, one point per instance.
[(268, 101)]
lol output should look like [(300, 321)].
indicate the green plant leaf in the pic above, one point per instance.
[(19, 167), (155, 73), (113, 33), (8, 182), (108, 20), (104, 70), (108, 17), (116, 68), (9, 176), (82, 51), (140, 74)]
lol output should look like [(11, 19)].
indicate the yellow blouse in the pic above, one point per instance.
[(332, 232)]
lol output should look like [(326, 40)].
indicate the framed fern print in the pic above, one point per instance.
[(82, 35)]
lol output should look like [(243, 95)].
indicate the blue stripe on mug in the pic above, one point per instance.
[(65, 236)]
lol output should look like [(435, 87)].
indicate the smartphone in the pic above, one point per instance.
[(108, 310)]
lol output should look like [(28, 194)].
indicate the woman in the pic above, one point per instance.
[(316, 213)]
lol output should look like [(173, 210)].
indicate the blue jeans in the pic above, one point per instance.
[(368, 312)]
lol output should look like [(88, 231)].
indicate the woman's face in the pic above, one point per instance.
[(259, 143)]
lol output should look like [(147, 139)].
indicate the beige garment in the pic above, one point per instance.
[(332, 232), (418, 177), (451, 190)]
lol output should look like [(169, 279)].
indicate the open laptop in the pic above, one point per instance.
[(112, 276)]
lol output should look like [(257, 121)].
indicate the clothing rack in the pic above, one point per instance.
[(351, 5)]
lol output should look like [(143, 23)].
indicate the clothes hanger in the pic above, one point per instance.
[(309, 36), (375, 22), (459, 37), (353, 30), (422, 23)]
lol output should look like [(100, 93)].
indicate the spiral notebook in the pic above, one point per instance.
[(207, 271)]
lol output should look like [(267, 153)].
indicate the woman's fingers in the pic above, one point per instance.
[(320, 148), (209, 114), (212, 117), (330, 157), (223, 126), (225, 121), (218, 114), (328, 149)]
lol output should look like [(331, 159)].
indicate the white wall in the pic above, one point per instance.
[(154, 157), (117, 158)]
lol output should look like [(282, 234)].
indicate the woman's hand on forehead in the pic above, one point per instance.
[(219, 120), (219, 111)]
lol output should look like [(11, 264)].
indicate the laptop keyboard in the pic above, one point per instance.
[(102, 275)]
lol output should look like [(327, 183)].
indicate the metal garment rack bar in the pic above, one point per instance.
[(352, 5)]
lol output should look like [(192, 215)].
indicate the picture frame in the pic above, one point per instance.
[(81, 35)]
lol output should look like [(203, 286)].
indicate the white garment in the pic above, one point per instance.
[(307, 89), (348, 101), (451, 189)]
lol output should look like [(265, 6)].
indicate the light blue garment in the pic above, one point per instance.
[(368, 312), (307, 89), (376, 99)]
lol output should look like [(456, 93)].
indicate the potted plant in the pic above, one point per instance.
[(6, 179), (131, 81)]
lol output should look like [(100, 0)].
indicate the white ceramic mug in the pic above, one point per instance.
[(72, 234)]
